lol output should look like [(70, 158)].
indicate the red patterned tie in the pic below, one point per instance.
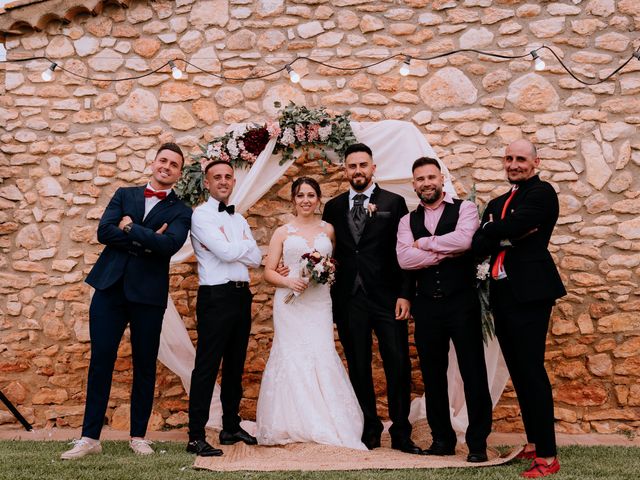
[(152, 193), (497, 271)]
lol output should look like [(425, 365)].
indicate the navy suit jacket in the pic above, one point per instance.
[(141, 257), (530, 268)]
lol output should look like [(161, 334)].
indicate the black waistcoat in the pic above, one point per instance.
[(452, 274)]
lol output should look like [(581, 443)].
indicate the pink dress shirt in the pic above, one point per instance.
[(432, 250)]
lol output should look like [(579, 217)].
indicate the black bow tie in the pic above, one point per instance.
[(223, 207)]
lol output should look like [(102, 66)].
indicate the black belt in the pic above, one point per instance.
[(231, 284)]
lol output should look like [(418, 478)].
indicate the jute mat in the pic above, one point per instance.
[(314, 457)]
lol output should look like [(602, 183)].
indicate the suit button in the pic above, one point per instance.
[(357, 251), (438, 281)]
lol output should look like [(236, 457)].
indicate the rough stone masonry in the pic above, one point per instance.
[(65, 146)]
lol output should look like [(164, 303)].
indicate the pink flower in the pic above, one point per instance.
[(313, 132), (274, 129), (224, 156), (300, 132)]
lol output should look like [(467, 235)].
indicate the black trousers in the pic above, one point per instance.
[(360, 317), (224, 323), (109, 314), (437, 322), (521, 329)]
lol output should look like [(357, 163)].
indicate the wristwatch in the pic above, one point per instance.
[(127, 227)]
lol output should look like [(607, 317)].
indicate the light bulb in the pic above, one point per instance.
[(175, 71), (293, 76), (405, 69), (47, 75), (538, 63)]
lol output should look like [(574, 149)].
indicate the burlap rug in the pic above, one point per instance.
[(311, 456)]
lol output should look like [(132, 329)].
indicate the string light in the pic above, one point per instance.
[(538, 63), (293, 76), (175, 71), (47, 75), (406, 66)]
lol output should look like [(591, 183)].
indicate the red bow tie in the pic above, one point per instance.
[(152, 193)]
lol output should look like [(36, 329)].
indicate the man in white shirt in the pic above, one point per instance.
[(225, 249)]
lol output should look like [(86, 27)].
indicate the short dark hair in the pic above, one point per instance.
[(216, 162), (422, 161), (174, 148), (298, 182), (357, 147)]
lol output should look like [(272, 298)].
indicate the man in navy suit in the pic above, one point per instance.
[(142, 227)]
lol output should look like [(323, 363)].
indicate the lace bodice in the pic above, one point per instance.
[(295, 245)]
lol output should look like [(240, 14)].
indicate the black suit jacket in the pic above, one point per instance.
[(142, 256), (374, 256), (528, 263)]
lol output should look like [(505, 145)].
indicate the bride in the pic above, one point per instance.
[(305, 395)]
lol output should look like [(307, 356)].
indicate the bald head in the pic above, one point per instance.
[(525, 144), (520, 161)]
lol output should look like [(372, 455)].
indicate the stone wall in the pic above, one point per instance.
[(67, 145)]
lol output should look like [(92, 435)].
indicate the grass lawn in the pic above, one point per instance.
[(23, 460)]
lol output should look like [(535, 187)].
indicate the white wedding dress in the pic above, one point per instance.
[(305, 394)]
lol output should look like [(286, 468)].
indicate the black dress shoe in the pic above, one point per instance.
[(477, 457), (371, 441), (203, 449), (406, 446), (440, 449), (228, 438)]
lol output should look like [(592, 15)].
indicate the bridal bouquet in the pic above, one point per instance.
[(316, 268), (483, 270)]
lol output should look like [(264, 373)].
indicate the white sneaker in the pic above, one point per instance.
[(81, 448), (140, 446)]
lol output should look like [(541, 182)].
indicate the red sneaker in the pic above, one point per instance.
[(527, 455), (540, 468)]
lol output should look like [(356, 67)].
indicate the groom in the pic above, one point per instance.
[(370, 295)]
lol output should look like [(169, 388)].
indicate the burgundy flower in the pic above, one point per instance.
[(255, 140)]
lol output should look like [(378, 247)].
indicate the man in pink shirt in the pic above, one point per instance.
[(434, 241)]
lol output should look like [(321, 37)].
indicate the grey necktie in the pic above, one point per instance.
[(358, 214)]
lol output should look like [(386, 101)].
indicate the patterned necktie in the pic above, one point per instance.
[(223, 207), (152, 193), (358, 214), (497, 271)]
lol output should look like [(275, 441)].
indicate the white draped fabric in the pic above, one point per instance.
[(395, 145)]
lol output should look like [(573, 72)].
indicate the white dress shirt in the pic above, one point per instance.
[(367, 193), (150, 202), (223, 245)]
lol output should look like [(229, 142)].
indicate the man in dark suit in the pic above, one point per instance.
[(142, 227), (516, 228), (371, 295)]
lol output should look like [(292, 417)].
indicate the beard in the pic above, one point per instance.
[(430, 197), (363, 182)]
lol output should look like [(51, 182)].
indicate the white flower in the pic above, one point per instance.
[(232, 147), (324, 132), (288, 137), (482, 270), (319, 268)]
